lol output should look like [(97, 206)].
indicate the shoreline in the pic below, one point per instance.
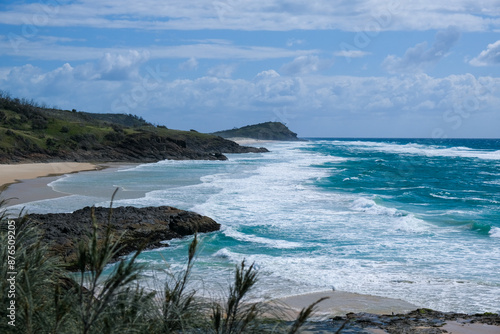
[(28, 182), (13, 173), (340, 303), (359, 313)]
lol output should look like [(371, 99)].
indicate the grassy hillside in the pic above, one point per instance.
[(32, 132)]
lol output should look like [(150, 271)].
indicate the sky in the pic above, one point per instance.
[(325, 68)]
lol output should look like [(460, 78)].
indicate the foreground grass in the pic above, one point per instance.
[(44, 297)]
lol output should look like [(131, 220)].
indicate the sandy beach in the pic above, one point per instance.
[(16, 172), (23, 183), (341, 303)]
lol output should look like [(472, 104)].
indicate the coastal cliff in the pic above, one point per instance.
[(140, 228), (33, 133)]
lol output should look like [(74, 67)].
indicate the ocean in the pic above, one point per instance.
[(412, 219)]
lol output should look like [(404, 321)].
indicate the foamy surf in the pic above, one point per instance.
[(342, 213), (424, 150), (495, 232)]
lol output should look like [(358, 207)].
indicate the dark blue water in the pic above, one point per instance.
[(447, 182)]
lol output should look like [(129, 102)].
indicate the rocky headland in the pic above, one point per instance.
[(139, 228), (262, 131), (33, 133)]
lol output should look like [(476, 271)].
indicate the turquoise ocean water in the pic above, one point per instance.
[(417, 220)]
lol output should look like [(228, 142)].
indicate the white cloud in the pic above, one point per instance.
[(420, 56), (190, 64), (293, 41), (409, 105), (271, 90), (490, 56), (267, 74), (121, 66), (48, 49), (276, 15), (222, 71), (113, 66), (306, 64), (351, 53)]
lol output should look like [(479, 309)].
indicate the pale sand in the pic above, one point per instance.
[(340, 303), (30, 190), (455, 327), (17, 172)]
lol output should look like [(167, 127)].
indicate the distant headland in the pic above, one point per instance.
[(261, 131)]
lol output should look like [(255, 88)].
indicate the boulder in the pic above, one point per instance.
[(136, 228)]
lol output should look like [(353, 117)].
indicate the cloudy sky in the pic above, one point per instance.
[(326, 68)]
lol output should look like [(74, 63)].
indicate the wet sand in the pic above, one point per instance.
[(36, 189), (456, 327), (31, 190), (15, 172), (340, 303), (24, 183)]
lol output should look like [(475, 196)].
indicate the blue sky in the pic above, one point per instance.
[(326, 68)]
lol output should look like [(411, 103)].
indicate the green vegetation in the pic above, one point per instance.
[(29, 125), (264, 131), (50, 299), (33, 132)]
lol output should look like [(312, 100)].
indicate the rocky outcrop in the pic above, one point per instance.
[(139, 228), (262, 131), (219, 145), (140, 147), (420, 321)]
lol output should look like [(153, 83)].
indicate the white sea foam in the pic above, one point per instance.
[(225, 253), (410, 223), (54, 183), (443, 196), (476, 199), (426, 150), (303, 238), (369, 206), (495, 232), (273, 243)]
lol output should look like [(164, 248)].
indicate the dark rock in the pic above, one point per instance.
[(420, 321), (139, 228)]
